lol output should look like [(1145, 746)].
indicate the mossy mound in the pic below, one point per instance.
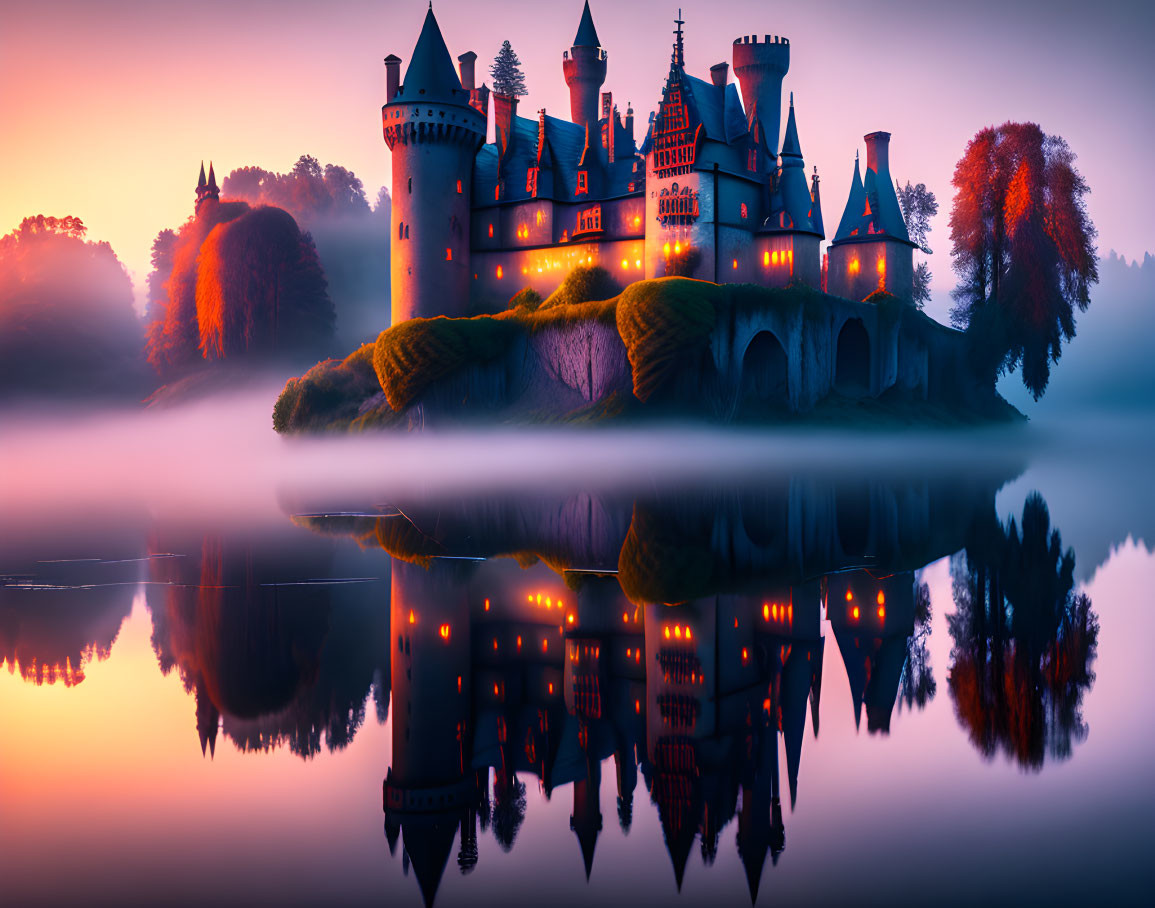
[(662, 320), (661, 562), (409, 357), (330, 396)]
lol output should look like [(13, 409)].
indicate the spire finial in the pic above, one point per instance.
[(791, 99), (679, 53)]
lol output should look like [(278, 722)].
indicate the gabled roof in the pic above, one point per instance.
[(587, 35), (431, 74), (719, 112)]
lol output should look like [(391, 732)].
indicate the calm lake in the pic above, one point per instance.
[(663, 667)]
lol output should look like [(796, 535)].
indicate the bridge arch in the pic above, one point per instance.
[(852, 359), (764, 383)]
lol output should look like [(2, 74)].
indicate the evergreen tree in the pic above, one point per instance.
[(918, 206), (508, 78)]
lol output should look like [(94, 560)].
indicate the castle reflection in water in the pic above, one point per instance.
[(676, 641), (684, 639)]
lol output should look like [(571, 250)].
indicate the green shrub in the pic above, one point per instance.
[(582, 285), (331, 393), (527, 299)]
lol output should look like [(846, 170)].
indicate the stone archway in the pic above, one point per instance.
[(764, 387), (852, 360)]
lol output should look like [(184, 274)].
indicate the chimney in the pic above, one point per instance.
[(878, 151), (719, 74), (392, 77), (465, 67), (504, 111)]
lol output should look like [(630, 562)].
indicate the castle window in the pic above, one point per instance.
[(531, 181), (497, 192), (406, 231), (745, 212), (752, 159), (583, 184), (499, 272), (491, 231), (459, 187), (589, 220), (539, 218), (400, 230), (448, 255), (411, 185)]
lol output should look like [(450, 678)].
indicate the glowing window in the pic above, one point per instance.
[(491, 230), (459, 187), (582, 182), (745, 213), (448, 254), (499, 272)]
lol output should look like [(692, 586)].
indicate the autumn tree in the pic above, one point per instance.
[(508, 78), (919, 205), (1023, 249), (1024, 640), (67, 323)]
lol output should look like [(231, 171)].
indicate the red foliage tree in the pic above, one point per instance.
[(1023, 248)]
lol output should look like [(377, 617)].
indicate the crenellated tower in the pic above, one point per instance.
[(584, 67), (433, 132), (760, 68)]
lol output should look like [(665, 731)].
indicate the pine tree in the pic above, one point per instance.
[(508, 78)]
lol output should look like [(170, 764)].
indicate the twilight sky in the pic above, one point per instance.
[(109, 105)]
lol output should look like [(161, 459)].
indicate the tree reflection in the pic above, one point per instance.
[(272, 658), (1024, 642), (918, 686)]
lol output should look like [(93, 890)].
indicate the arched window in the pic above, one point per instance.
[(400, 230), (406, 231), (745, 213), (411, 185), (459, 187)]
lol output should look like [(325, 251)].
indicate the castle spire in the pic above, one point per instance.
[(791, 148), (587, 35), (212, 184), (679, 51), (431, 75), (201, 181)]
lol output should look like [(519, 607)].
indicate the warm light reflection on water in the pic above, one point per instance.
[(220, 701)]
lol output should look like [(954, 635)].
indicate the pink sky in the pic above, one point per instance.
[(109, 107)]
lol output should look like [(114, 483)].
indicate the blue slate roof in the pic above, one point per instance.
[(587, 35), (431, 76)]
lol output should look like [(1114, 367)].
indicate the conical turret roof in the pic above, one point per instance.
[(430, 75), (587, 35), (855, 205), (201, 181), (790, 145)]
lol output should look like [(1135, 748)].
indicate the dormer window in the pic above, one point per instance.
[(583, 184)]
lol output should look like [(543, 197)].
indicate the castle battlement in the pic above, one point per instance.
[(753, 39)]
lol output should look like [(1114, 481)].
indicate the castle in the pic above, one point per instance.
[(710, 193)]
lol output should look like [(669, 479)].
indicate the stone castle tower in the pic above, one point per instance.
[(760, 68), (584, 67), (433, 132)]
